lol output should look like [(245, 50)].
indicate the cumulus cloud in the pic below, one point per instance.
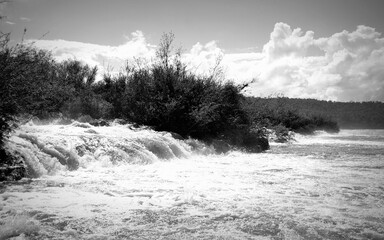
[(239, 67), (285, 42), (347, 66), (107, 58), (202, 59)]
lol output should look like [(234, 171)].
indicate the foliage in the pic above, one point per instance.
[(166, 96), (353, 115), (7, 102), (278, 113), (357, 115), (76, 81), (28, 73), (32, 82), (111, 90)]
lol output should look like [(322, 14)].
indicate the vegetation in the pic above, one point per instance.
[(283, 116), (7, 100), (167, 97), (348, 115), (352, 115), (162, 94)]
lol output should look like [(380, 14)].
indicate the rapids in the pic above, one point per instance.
[(120, 182)]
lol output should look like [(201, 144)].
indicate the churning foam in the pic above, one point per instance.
[(292, 191), (373, 137), (47, 149)]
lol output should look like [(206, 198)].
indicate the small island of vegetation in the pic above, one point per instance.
[(161, 94)]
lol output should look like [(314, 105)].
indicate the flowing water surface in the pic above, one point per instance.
[(140, 184)]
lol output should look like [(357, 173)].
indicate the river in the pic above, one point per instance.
[(140, 184)]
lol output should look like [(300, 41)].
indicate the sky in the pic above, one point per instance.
[(328, 49)]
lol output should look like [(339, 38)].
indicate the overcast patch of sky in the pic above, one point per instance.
[(233, 24)]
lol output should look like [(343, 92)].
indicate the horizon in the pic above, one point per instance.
[(332, 51)]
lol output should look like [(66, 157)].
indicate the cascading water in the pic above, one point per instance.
[(120, 182), (47, 149)]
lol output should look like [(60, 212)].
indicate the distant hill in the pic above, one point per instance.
[(352, 115)]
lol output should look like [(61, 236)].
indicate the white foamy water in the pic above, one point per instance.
[(140, 184)]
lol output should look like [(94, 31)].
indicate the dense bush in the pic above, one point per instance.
[(32, 82), (167, 97), (40, 86), (75, 82), (176, 101), (29, 75), (111, 90)]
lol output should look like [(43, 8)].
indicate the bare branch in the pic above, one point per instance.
[(165, 48), (217, 71)]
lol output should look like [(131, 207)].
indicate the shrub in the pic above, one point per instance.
[(112, 90), (169, 98), (87, 105), (30, 74)]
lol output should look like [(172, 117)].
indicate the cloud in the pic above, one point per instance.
[(25, 19), (203, 58), (285, 42), (350, 66), (239, 67), (347, 66), (107, 58), (9, 22)]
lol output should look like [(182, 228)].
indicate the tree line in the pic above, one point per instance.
[(348, 115)]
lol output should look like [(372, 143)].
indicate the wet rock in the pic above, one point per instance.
[(85, 119), (12, 173), (82, 125), (220, 146), (81, 150), (120, 121), (64, 121), (252, 140), (255, 143), (134, 126), (91, 131), (176, 136), (280, 134), (99, 123)]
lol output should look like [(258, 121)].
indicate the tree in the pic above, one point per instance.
[(164, 52)]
